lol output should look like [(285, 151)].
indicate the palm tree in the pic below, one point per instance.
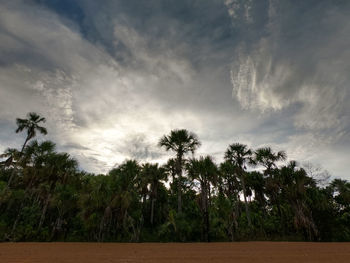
[(240, 156), (35, 153), (31, 124), (205, 171), (267, 158), (231, 188), (11, 155), (181, 142)]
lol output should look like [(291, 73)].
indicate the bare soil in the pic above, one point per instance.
[(267, 252)]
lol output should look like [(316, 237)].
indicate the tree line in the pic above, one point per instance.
[(251, 195)]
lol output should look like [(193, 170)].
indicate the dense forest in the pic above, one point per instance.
[(251, 195)]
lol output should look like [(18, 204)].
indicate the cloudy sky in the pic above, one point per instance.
[(113, 76)]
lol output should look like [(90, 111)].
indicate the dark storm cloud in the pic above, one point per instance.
[(164, 24)]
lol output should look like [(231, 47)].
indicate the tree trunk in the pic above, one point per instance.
[(205, 210), (179, 184), (179, 201), (16, 221), (11, 177), (25, 143), (206, 217), (245, 200), (43, 214), (152, 210)]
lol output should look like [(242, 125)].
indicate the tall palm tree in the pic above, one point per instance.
[(181, 142), (205, 171), (240, 156), (267, 158), (31, 124), (231, 188)]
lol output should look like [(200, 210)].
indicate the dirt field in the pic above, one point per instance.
[(174, 252)]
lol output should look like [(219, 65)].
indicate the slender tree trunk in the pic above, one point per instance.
[(25, 143), (13, 172), (236, 211), (152, 210), (173, 174), (154, 196), (179, 185), (57, 227), (206, 218), (203, 206), (100, 233), (43, 214), (205, 211), (245, 200), (16, 221), (179, 201)]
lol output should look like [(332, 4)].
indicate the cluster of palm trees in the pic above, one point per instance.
[(251, 195)]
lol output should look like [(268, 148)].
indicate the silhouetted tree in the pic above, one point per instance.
[(181, 142)]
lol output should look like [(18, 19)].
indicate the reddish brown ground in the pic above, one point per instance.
[(174, 252)]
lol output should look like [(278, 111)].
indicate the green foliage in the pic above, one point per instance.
[(45, 197)]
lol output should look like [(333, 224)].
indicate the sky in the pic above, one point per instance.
[(111, 77)]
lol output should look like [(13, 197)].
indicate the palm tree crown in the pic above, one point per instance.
[(31, 124), (239, 155), (267, 158), (180, 141)]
